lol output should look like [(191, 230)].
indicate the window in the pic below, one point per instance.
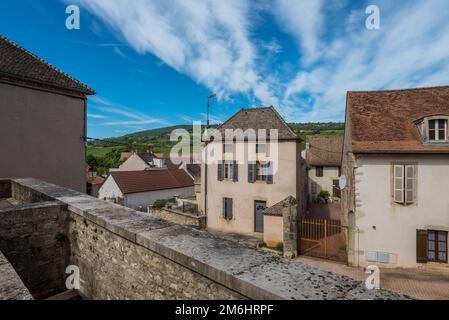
[(261, 148), (438, 130), (227, 170), (319, 171), (227, 208), (404, 183), (260, 171), (261, 174), (228, 148), (437, 246)]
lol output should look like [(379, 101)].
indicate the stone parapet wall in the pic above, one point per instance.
[(180, 217), (11, 286), (5, 188), (123, 253), (33, 238), (112, 267)]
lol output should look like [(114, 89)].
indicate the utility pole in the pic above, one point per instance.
[(209, 98)]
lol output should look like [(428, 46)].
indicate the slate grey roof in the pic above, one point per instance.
[(276, 210), (259, 118), (19, 65)]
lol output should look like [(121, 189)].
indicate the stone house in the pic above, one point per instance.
[(396, 160), (136, 189), (323, 157), (43, 119), (250, 174)]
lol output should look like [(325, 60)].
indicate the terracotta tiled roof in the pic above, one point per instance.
[(276, 210), (259, 118), (18, 64), (96, 180), (151, 180), (324, 150), (383, 121)]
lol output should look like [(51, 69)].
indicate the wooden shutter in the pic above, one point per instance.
[(220, 171), (224, 208), (398, 183), (251, 172), (409, 184), (229, 208), (421, 246), (235, 171), (269, 172)]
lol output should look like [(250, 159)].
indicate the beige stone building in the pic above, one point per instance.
[(396, 159), (323, 157), (251, 175)]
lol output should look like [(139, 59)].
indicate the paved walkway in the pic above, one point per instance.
[(418, 284)]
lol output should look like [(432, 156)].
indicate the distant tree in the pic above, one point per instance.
[(92, 161)]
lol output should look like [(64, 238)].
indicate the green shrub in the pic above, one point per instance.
[(324, 194), (159, 204)]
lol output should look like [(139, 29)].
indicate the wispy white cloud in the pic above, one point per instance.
[(213, 42), (129, 117), (208, 40), (409, 50), (96, 116), (304, 19)]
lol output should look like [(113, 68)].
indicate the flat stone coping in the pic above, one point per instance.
[(11, 286), (253, 274)]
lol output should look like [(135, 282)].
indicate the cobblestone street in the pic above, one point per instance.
[(418, 284)]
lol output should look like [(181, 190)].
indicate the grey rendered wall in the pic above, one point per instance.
[(40, 136)]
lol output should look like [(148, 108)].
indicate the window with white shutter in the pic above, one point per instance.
[(409, 184), (398, 182), (404, 183)]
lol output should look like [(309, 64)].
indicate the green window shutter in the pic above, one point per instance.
[(251, 172), (235, 169), (421, 246), (220, 171), (269, 172)]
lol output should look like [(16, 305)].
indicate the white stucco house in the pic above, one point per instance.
[(396, 159), (141, 161), (137, 189), (323, 157), (237, 190)]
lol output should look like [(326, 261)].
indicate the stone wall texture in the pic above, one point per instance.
[(5, 188), (112, 267), (125, 254), (180, 218), (11, 286), (33, 238)]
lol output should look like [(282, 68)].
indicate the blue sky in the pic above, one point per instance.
[(153, 63)]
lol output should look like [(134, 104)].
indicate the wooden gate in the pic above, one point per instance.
[(322, 238)]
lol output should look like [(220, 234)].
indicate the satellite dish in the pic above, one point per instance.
[(342, 182)]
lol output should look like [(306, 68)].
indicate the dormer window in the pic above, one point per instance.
[(438, 130)]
